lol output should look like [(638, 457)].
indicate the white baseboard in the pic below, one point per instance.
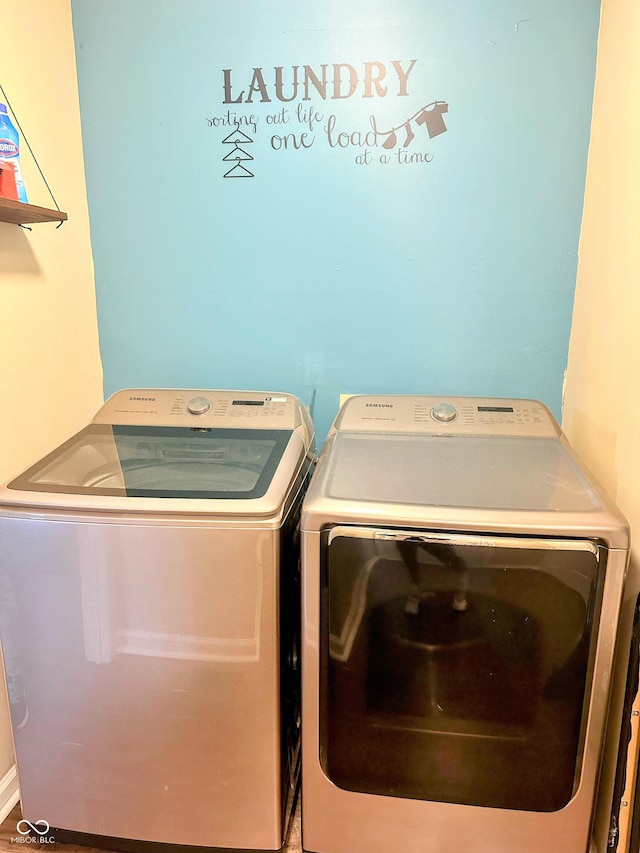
[(9, 792)]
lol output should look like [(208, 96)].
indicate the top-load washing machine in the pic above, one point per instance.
[(149, 611), (463, 594)]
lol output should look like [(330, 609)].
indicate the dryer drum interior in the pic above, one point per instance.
[(448, 661)]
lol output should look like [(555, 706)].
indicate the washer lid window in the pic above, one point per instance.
[(160, 462)]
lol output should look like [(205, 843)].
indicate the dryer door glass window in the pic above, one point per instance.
[(176, 462), (456, 669)]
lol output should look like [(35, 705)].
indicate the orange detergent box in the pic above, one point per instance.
[(8, 187)]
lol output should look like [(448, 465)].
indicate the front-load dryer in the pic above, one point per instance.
[(149, 610), (463, 594)]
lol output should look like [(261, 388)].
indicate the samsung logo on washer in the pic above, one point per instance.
[(378, 405), (144, 399)]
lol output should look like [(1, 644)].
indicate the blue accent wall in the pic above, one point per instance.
[(248, 232)]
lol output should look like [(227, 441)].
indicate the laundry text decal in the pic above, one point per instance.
[(303, 107)]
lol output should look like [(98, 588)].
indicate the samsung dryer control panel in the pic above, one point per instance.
[(447, 416), (205, 409)]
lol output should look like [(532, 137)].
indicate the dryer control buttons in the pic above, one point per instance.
[(444, 413), (199, 405)]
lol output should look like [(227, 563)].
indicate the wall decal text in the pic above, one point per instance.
[(303, 107)]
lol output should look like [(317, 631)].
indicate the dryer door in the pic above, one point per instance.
[(448, 661)]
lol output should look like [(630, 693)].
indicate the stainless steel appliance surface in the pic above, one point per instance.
[(467, 615), (149, 613)]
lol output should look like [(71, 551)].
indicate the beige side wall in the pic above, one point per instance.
[(50, 369), (601, 413), (602, 393)]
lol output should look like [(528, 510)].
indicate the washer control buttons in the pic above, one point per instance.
[(199, 405), (444, 413)]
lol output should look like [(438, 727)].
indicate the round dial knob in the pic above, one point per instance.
[(199, 405), (444, 413)]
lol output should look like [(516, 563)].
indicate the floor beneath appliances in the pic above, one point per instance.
[(8, 831)]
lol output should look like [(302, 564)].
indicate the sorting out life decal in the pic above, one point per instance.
[(299, 108)]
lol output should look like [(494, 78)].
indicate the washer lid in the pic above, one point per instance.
[(161, 462), (476, 472)]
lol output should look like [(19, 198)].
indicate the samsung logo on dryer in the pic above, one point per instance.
[(379, 405), (144, 399)]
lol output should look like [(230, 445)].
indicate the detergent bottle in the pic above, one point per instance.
[(10, 151)]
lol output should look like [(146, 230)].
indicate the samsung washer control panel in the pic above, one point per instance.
[(198, 408), (447, 416)]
